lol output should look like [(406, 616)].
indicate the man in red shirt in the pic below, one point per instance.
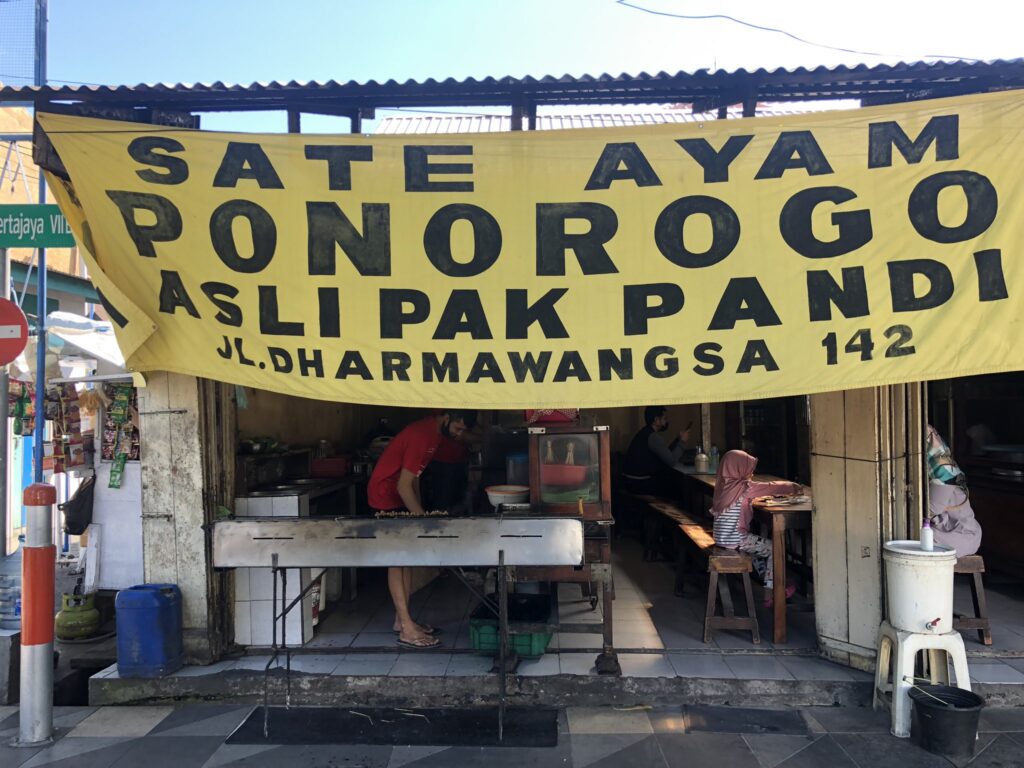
[(395, 484)]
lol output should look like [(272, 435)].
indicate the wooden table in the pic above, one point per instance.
[(780, 519)]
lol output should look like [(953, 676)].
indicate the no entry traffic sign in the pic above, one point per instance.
[(13, 331)]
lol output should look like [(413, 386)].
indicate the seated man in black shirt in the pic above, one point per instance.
[(650, 458)]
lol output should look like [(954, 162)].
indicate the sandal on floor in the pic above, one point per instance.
[(426, 628), (426, 642)]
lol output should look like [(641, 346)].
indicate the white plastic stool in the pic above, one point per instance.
[(907, 645)]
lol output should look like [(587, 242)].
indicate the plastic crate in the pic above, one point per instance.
[(483, 626)]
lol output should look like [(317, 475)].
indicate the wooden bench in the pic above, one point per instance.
[(720, 561), (974, 565)]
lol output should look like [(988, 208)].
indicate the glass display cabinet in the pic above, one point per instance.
[(570, 471)]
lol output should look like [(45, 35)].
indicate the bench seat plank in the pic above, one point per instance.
[(725, 560)]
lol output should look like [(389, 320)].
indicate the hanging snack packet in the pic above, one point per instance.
[(117, 470), (119, 409)]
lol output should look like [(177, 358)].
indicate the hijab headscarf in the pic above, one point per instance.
[(733, 478)]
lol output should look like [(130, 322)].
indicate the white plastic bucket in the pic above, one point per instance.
[(919, 586)]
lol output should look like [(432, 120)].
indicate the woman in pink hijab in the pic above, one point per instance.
[(731, 507)]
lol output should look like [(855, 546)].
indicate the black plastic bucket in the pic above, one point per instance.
[(944, 719)]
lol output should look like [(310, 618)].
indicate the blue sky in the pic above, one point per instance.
[(242, 41)]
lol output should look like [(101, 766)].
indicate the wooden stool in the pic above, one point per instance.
[(975, 566), (726, 562)]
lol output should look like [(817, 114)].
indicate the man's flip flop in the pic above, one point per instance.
[(427, 630), (426, 642)]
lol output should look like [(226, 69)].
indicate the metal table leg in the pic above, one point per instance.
[(284, 639), (276, 648), (273, 648), (502, 642)]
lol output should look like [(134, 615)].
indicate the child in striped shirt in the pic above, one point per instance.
[(731, 507)]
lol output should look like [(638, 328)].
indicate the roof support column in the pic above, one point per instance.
[(867, 470)]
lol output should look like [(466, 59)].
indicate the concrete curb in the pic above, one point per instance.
[(244, 686)]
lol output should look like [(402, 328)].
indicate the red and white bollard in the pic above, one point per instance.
[(38, 566)]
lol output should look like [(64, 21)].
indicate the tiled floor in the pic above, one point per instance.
[(657, 634), (1006, 612), (667, 737)]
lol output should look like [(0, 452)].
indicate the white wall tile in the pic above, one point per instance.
[(242, 585), (261, 613), (285, 506), (243, 622), (241, 506), (261, 583), (300, 623)]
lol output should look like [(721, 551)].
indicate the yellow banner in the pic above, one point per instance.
[(699, 262)]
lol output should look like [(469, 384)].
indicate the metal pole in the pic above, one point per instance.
[(37, 447), (40, 63), (39, 558), (40, 422), (273, 646), (5, 439), (38, 568), (502, 642)]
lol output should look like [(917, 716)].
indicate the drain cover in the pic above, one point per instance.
[(476, 727)]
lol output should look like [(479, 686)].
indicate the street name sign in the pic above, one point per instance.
[(34, 226)]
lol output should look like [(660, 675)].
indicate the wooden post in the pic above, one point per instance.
[(866, 447)]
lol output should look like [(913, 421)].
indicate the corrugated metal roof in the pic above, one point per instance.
[(895, 82), (427, 124), (462, 123)]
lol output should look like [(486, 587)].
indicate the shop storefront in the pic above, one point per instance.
[(393, 309)]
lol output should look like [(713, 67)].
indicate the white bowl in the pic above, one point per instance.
[(508, 494)]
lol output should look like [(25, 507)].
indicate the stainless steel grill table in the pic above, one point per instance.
[(501, 541)]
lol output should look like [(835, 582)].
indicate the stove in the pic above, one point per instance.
[(313, 487), (300, 497), (277, 490)]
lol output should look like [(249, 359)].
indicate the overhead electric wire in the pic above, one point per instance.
[(50, 81), (775, 30)]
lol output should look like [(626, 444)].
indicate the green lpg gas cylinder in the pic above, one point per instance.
[(77, 618)]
